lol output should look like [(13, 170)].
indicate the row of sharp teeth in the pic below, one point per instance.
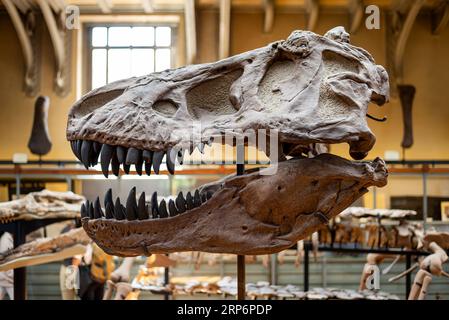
[(138, 209), (88, 152)]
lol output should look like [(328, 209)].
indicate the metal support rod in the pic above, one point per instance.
[(424, 200), (166, 280), (17, 186), (241, 290), (69, 183), (306, 265), (20, 273), (241, 285), (374, 198), (408, 277), (273, 269)]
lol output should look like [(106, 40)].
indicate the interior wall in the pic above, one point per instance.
[(16, 110), (425, 66)]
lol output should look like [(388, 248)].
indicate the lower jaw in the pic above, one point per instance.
[(211, 227)]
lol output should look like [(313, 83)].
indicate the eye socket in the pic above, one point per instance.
[(165, 107)]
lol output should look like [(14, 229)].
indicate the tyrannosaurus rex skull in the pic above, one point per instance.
[(308, 89)]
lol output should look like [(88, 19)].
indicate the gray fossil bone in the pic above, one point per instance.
[(40, 142)]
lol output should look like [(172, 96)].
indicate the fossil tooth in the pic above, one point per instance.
[(133, 156), (172, 208), (163, 209), (126, 168), (121, 154), (209, 142), (118, 212), (73, 145), (189, 200), (95, 153), (203, 197), (154, 206), (115, 165), (97, 146), (131, 205), (180, 156), (109, 211), (148, 168), (108, 198), (79, 144), (209, 195), (142, 212), (147, 157), (85, 153), (170, 160), (180, 203), (91, 211), (191, 148), (83, 211), (138, 166), (201, 147), (157, 160), (196, 199), (98, 212), (107, 152)]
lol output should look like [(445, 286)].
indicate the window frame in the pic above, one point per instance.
[(88, 47)]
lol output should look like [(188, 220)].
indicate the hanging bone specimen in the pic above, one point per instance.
[(40, 142), (406, 95)]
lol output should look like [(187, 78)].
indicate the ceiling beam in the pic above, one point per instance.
[(23, 5), (312, 10), (356, 13), (190, 28), (224, 29), (58, 36), (31, 79), (268, 21), (440, 17), (404, 33)]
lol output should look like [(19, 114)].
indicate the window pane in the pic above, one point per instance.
[(163, 36), (119, 64), (98, 68), (142, 62), (119, 36), (143, 36), (99, 36), (162, 59)]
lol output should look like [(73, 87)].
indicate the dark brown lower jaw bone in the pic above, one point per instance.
[(249, 214)]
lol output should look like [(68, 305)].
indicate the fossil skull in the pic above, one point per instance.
[(309, 89)]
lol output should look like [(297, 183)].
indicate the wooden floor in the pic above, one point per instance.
[(329, 271)]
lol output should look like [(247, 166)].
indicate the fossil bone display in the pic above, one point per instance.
[(308, 89), (45, 250), (44, 204), (40, 142)]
